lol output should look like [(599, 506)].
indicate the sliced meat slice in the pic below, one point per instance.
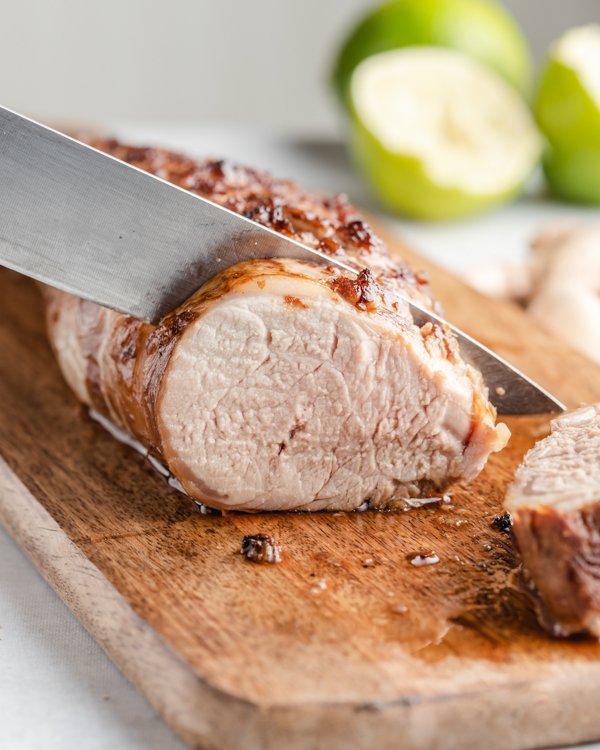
[(285, 384), (555, 505)]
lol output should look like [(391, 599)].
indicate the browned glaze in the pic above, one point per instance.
[(294, 302), (362, 292), (126, 342), (330, 224)]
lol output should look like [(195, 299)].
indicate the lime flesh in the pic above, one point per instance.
[(437, 135)]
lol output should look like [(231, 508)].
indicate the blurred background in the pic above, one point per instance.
[(263, 63)]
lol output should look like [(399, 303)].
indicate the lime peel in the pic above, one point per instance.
[(567, 109)]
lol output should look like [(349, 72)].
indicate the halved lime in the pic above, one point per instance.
[(437, 134), (568, 112), (480, 28)]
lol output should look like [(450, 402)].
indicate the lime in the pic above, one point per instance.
[(479, 28), (438, 135), (568, 112)]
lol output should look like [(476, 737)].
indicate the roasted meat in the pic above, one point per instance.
[(284, 384), (555, 505)]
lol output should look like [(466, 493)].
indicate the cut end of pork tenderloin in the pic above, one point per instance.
[(555, 505), (275, 387), (282, 384), (283, 393)]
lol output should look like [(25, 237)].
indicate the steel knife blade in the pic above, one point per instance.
[(83, 221)]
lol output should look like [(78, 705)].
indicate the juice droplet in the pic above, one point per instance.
[(419, 559), (319, 587)]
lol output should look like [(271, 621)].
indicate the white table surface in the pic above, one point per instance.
[(58, 690)]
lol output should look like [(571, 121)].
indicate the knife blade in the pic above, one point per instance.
[(83, 221)]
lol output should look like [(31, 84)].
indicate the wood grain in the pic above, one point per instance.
[(345, 644)]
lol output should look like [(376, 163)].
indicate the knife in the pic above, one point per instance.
[(89, 224)]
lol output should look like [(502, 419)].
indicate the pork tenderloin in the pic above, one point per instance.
[(555, 506), (284, 384)]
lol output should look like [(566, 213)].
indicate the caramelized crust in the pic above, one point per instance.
[(330, 224)]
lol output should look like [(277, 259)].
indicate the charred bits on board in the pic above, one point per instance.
[(261, 548), (502, 523)]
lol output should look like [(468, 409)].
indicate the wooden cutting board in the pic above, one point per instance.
[(344, 645)]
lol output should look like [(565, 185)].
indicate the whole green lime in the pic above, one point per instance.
[(479, 28), (567, 109)]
